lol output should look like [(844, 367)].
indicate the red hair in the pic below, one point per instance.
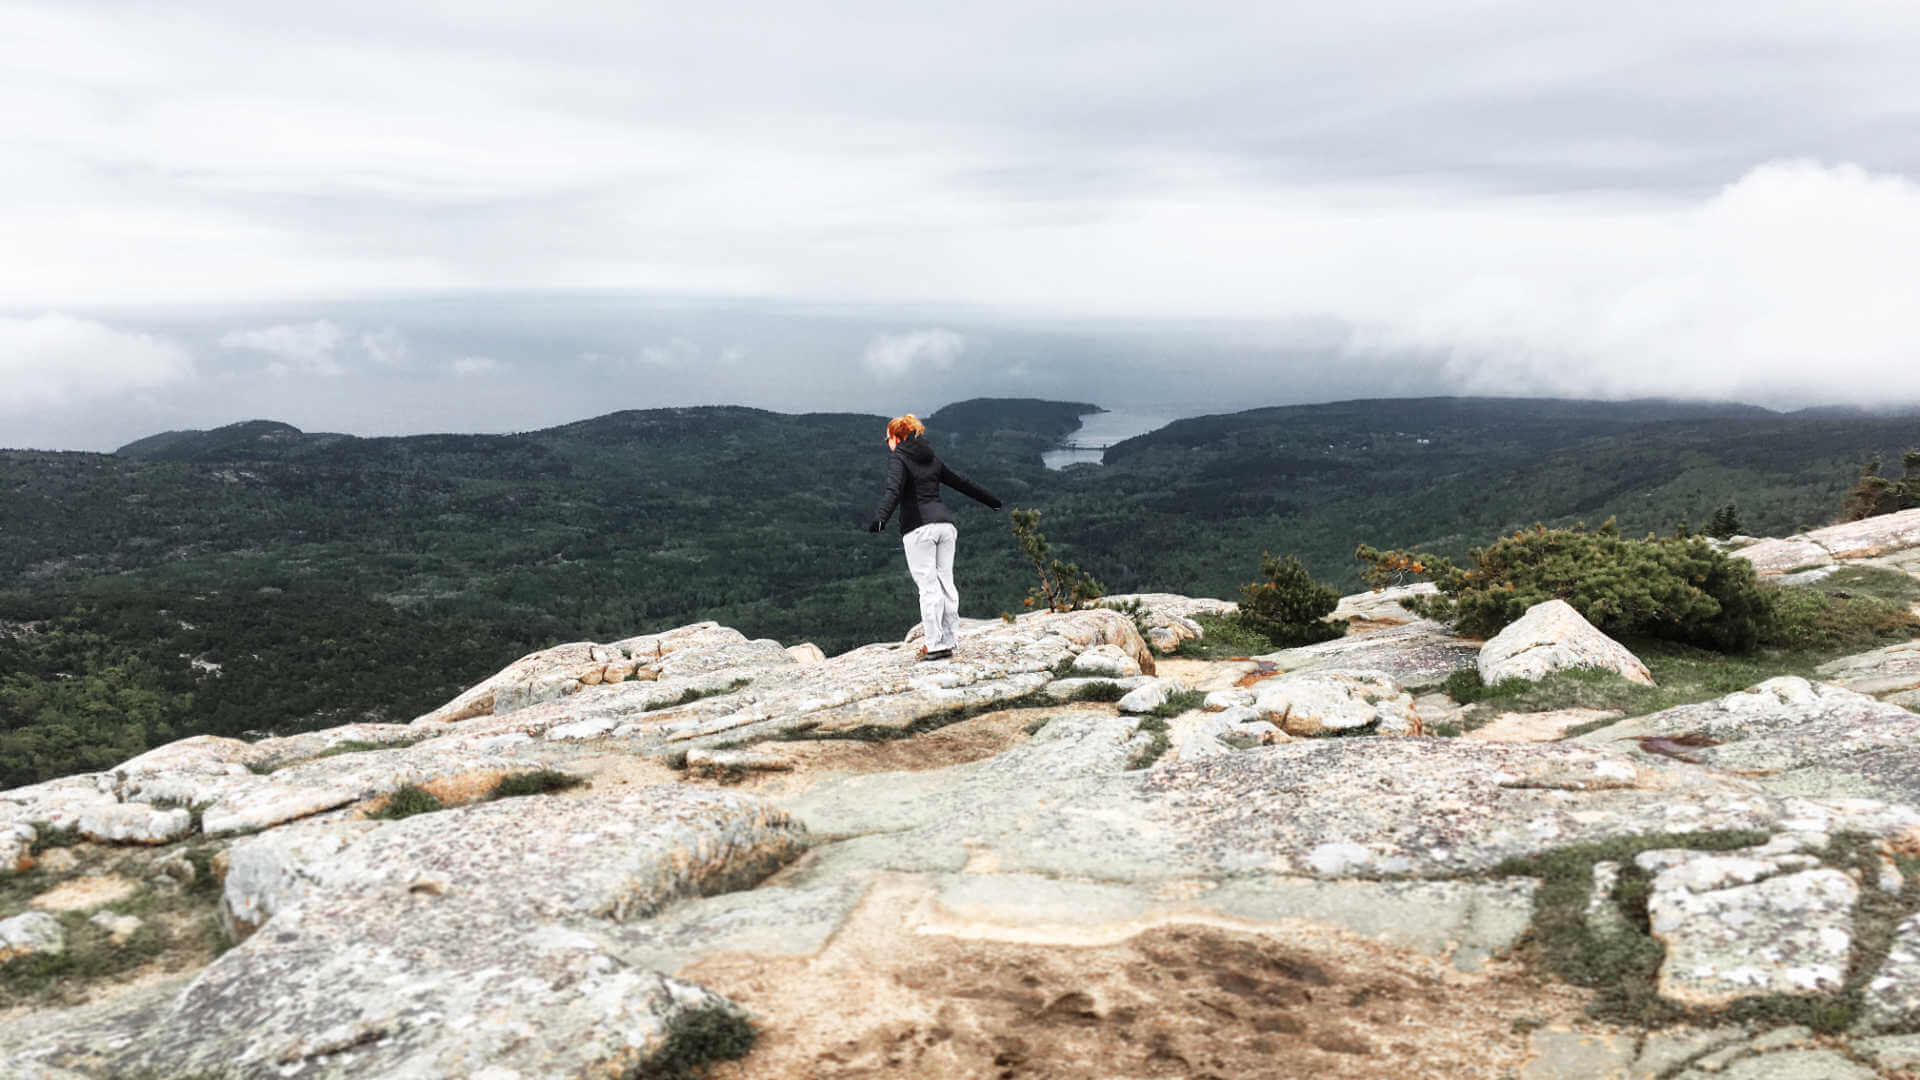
[(903, 427)]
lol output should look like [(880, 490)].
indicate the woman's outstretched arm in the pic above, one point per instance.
[(953, 479)]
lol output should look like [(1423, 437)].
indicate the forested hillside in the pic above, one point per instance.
[(260, 578)]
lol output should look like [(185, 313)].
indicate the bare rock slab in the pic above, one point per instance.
[(1891, 1001), (33, 934), (1880, 673), (1792, 737), (1538, 727), (1770, 557), (1335, 700), (1742, 924), (1419, 653), (1551, 637), (450, 943)]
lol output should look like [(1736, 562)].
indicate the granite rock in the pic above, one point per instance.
[(1551, 637), (34, 933), (1331, 701)]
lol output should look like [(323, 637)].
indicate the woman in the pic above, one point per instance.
[(914, 476)]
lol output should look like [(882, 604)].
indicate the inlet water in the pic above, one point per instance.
[(1099, 431)]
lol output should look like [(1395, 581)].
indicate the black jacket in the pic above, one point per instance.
[(914, 476)]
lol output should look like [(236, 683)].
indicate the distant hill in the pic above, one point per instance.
[(378, 575), (250, 440)]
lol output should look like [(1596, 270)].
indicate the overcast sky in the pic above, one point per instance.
[(386, 217)]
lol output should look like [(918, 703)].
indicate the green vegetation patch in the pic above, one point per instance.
[(1179, 701), (1223, 636), (1289, 608), (694, 693), (1811, 627), (1098, 690), (696, 1039), (406, 801), (176, 918), (536, 782), (1156, 746), (1673, 588), (1623, 964)]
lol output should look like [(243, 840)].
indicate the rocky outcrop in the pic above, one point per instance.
[(1849, 542), (1166, 620), (33, 933), (1551, 637), (1382, 607), (1891, 674), (567, 669), (573, 935), (1106, 662), (1334, 701), (1763, 920), (1416, 654), (471, 940), (1789, 736)]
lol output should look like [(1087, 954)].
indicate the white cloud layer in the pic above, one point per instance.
[(1641, 198), (1799, 283), (895, 355), (53, 358), (469, 366), (296, 348)]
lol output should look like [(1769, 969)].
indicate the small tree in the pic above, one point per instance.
[(1873, 494), (1289, 608), (1063, 586), (1725, 523)]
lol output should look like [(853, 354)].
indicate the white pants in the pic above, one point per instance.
[(930, 561)]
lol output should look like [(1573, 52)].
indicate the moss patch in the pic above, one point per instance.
[(536, 782), (1098, 690), (178, 926), (405, 802), (1223, 637), (694, 693), (1156, 746), (696, 1039), (1179, 701), (1623, 965)]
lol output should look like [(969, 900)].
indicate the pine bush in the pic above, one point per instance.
[(1679, 589), (1289, 608)]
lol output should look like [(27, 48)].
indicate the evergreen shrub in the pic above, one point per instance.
[(1289, 608), (1873, 494), (1063, 585), (1678, 589)]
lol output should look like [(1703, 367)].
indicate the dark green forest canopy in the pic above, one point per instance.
[(342, 577)]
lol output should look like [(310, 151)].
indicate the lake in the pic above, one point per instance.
[(1099, 431)]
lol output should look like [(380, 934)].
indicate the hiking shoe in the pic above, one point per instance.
[(937, 654)]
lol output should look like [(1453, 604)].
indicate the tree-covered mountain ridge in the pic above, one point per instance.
[(256, 577)]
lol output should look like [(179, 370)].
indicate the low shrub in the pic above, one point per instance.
[(1179, 701), (406, 801), (1098, 690), (536, 782), (1223, 636), (1677, 589), (1289, 608), (1873, 494)]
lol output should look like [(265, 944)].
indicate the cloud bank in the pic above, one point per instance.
[(895, 355), (306, 348), (53, 359)]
